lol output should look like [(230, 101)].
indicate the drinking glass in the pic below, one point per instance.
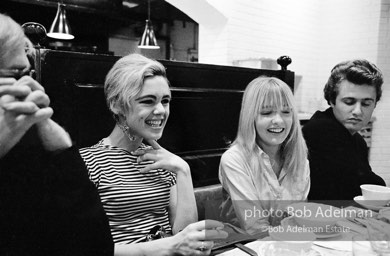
[(361, 246), (274, 249), (379, 236)]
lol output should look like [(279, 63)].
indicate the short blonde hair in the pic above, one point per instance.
[(125, 80)]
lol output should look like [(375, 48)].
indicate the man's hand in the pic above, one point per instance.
[(16, 115), (24, 103)]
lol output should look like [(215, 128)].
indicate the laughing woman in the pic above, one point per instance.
[(267, 162), (145, 187)]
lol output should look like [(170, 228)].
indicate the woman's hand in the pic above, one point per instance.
[(162, 158), (182, 205), (197, 238)]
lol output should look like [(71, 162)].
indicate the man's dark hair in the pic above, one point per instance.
[(360, 72)]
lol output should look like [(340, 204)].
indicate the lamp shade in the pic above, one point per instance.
[(60, 28), (148, 39)]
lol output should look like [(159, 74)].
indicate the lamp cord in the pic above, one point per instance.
[(149, 10)]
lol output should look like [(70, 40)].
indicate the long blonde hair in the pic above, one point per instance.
[(273, 92)]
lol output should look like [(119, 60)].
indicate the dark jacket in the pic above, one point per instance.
[(48, 206), (338, 160)]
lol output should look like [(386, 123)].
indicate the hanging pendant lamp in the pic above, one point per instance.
[(60, 28), (148, 39)]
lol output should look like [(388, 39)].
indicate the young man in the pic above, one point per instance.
[(48, 206), (338, 155)]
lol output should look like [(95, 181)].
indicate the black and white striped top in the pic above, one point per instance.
[(134, 202)]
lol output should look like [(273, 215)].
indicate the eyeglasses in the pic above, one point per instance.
[(17, 73)]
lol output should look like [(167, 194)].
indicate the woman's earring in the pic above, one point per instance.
[(125, 129)]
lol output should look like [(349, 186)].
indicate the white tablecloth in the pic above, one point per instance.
[(323, 247)]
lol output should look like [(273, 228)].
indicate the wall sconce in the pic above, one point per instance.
[(35, 32), (148, 39), (60, 28)]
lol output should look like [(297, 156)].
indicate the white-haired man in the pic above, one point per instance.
[(48, 206)]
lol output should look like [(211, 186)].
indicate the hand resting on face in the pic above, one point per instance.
[(162, 158)]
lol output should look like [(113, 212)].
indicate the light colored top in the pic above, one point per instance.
[(134, 202), (258, 197)]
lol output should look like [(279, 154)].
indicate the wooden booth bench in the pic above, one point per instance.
[(205, 107)]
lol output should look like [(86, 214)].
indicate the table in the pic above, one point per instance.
[(332, 246), (319, 248)]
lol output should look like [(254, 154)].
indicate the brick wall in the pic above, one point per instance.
[(266, 29), (316, 34), (380, 152), (359, 29)]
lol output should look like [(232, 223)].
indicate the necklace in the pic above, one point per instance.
[(275, 167), (126, 131)]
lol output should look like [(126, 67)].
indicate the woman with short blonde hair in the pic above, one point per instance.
[(145, 190)]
